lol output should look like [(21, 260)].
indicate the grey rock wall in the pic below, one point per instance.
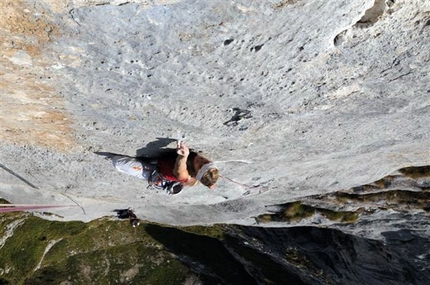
[(302, 97)]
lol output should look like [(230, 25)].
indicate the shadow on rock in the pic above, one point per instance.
[(153, 150), (156, 148), (204, 255), (299, 255), (328, 256)]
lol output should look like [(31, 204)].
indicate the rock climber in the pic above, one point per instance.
[(171, 171)]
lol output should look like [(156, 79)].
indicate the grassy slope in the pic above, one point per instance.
[(100, 252)]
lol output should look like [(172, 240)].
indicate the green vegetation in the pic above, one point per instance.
[(416, 172), (399, 200), (344, 217), (133, 263), (290, 212), (400, 192), (293, 212), (298, 211), (215, 231), (108, 251), (100, 252)]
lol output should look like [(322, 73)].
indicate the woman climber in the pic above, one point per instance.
[(171, 171)]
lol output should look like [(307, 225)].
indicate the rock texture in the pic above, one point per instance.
[(319, 109), (301, 98)]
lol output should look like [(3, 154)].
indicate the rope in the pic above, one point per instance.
[(14, 208), (77, 204), (35, 205), (244, 185)]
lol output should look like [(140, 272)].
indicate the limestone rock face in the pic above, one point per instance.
[(297, 98)]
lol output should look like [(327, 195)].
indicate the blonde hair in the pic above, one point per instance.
[(210, 177)]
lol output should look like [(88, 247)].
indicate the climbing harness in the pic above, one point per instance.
[(157, 181)]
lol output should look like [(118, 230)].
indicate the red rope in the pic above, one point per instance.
[(12, 208)]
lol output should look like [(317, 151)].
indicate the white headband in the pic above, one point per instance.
[(203, 170)]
